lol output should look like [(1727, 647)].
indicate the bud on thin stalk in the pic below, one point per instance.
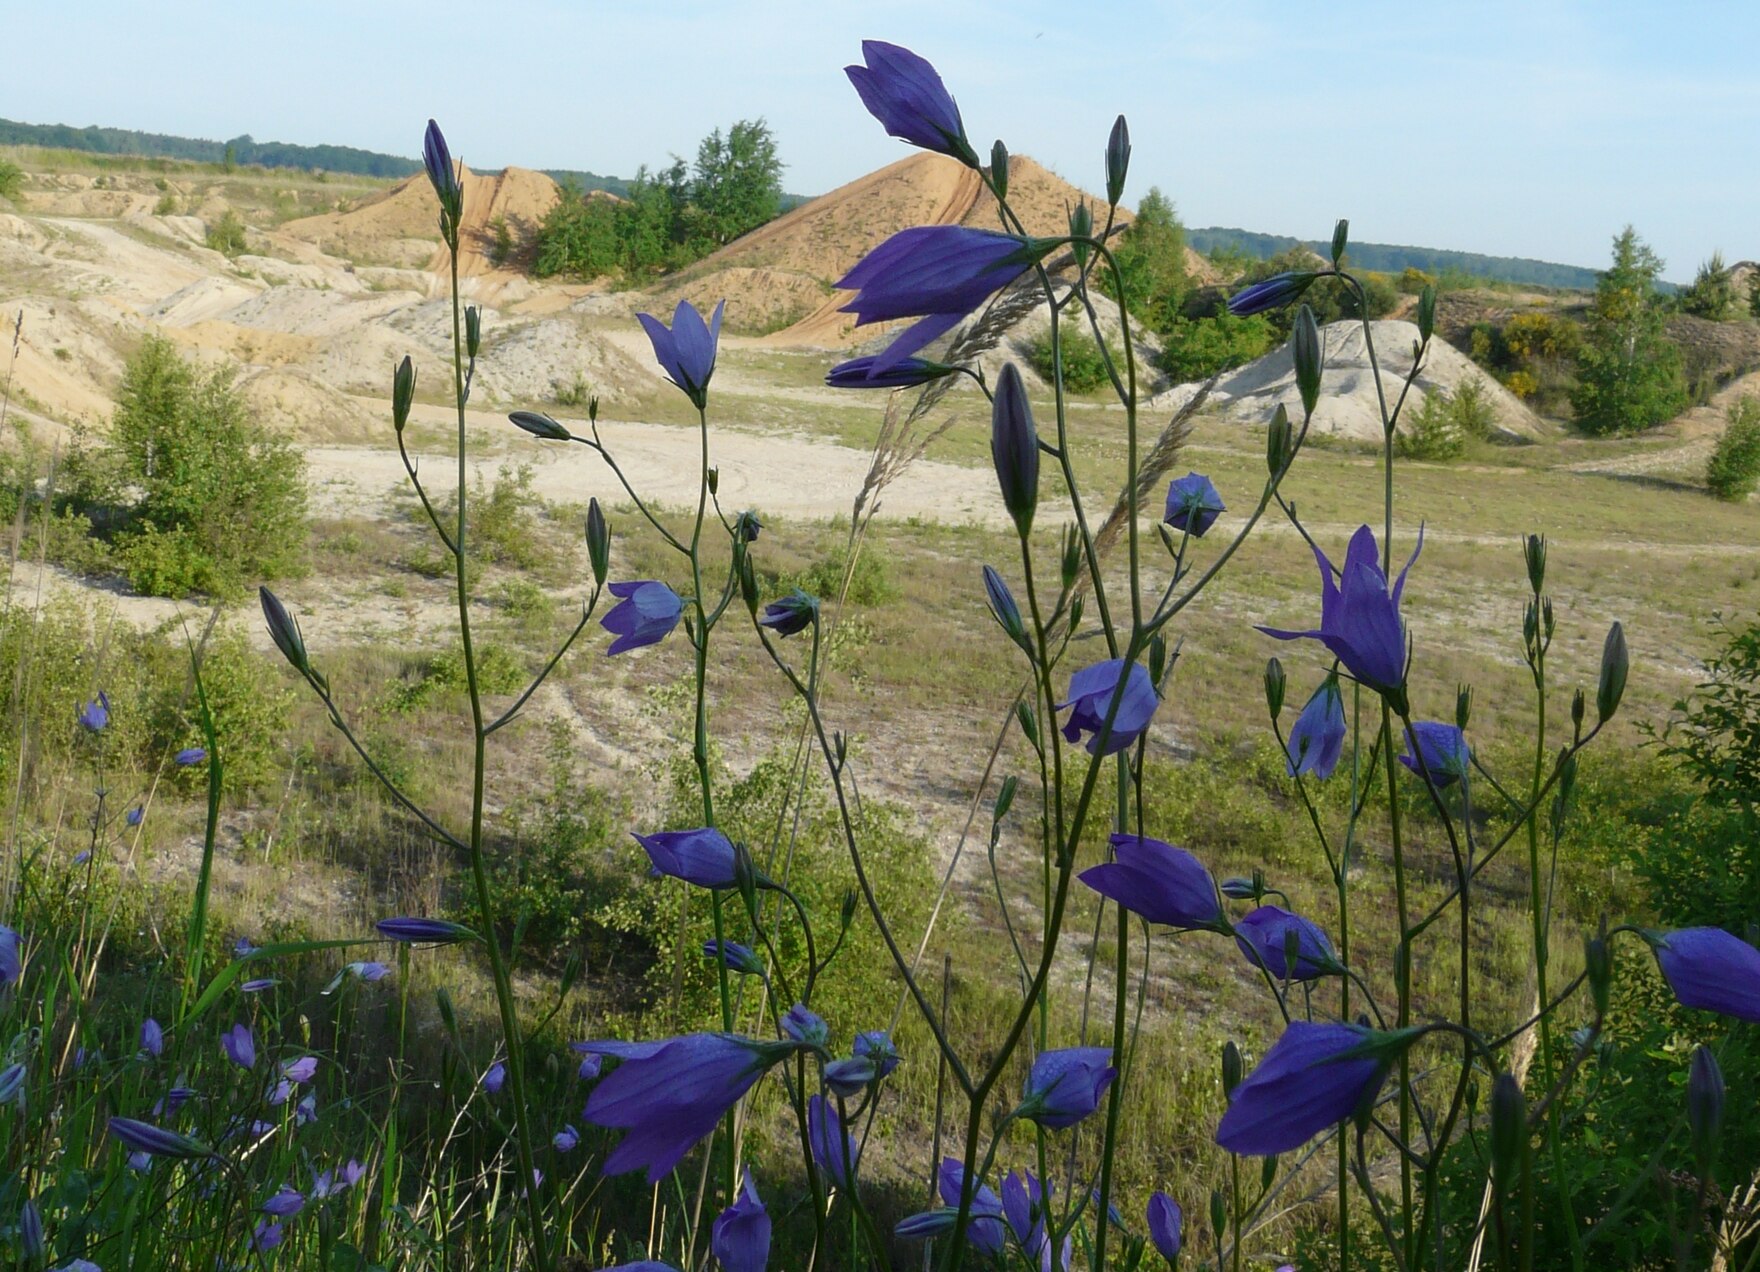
[(1304, 347), (1005, 798), (1534, 554), (1426, 313), (403, 393), (1279, 440), (1341, 236), (999, 168), (1275, 685), (1615, 662), (1463, 707), (1118, 160), (1014, 448), (1705, 1099), (1081, 226), (1509, 1130), (473, 331), (1232, 1068), (598, 542)]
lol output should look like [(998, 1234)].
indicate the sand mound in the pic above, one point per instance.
[(1348, 401), (400, 226), (294, 403), (68, 365)]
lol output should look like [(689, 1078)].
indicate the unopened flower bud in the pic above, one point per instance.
[(713, 477), (1004, 610), (1275, 684), (1614, 664), (30, 1230), (593, 409), (1463, 707), (1279, 442), (1029, 723), (1157, 659), (1238, 888), (1081, 226), (1005, 798), (1546, 618), (598, 542), (1118, 160), (999, 168), (746, 526), (284, 631), (847, 911), (1534, 553), (473, 331), (1705, 1095), (443, 174), (1598, 967), (541, 425), (1232, 1068), (1579, 705), (1304, 347), (1341, 236), (1426, 313), (1509, 1129), (1072, 555), (403, 393), (748, 583), (1218, 1215)]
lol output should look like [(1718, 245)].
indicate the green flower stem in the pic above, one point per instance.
[(512, 1036)]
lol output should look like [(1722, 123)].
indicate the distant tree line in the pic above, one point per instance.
[(668, 217), (1392, 258), (240, 150)]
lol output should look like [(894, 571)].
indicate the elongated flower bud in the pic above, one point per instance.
[(1003, 608), (1615, 662), (1081, 226), (473, 331), (1426, 313), (1341, 236), (1275, 684), (1005, 798), (1014, 447), (540, 425), (403, 393), (1072, 555), (1279, 442), (1118, 160), (1304, 347), (1705, 1097), (1029, 723), (443, 174), (598, 542), (1232, 1068), (1509, 1129), (999, 168), (1534, 556), (1463, 707)]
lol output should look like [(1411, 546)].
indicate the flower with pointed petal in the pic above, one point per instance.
[(906, 373), (793, 613), (1091, 691), (1065, 1086), (1157, 881), (834, 1149), (906, 95), (646, 614), (1264, 936), (703, 856), (740, 1238), (565, 1140), (240, 1047), (1314, 1076), (1193, 504), (1443, 748), (1271, 293), (96, 714), (1316, 743), (1359, 617), (1711, 970), (686, 352), (414, 931), (1166, 1225), (985, 1230)]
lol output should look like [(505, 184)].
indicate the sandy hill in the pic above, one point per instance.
[(781, 275), (400, 226), (1348, 402)]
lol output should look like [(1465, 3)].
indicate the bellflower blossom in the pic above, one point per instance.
[(1316, 743), (1710, 970), (1158, 882), (11, 956), (1264, 937), (936, 273), (1271, 293), (985, 1231), (686, 352), (670, 1094), (1090, 697), (1314, 1076), (423, 931), (240, 1047), (834, 1149), (703, 856), (1065, 1086), (740, 1238), (96, 714), (646, 614), (1443, 748), (155, 1141), (736, 957), (1166, 1225), (906, 95), (1193, 504), (565, 1140), (1024, 1206), (907, 373), (1359, 618), (793, 613)]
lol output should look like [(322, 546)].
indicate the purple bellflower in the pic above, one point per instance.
[(907, 373), (1193, 504), (1710, 970), (190, 755), (152, 1038), (154, 1141), (985, 1231), (704, 856), (907, 96), (1157, 881), (11, 956), (740, 1238), (1090, 695), (285, 1204), (935, 273), (240, 1047), (267, 1235), (96, 714), (136, 815), (686, 352), (1316, 743), (565, 1140), (645, 616), (495, 1078), (1264, 936), (414, 931), (442, 172), (834, 1149), (1024, 1206), (1443, 748), (1359, 618), (805, 1025), (1166, 1225), (1315, 1076), (1065, 1086), (793, 613), (1271, 293), (737, 958), (670, 1094)]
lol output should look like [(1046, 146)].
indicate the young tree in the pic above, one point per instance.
[(736, 185), (1713, 294), (1628, 372), (1151, 257)]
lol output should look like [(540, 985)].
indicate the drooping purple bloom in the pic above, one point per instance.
[(646, 615), (172, 1100), (286, 1203), (734, 956), (1157, 881), (368, 970), (793, 613), (859, 373), (1710, 970), (984, 1231), (190, 755), (495, 1078), (1264, 937), (302, 1070), (703, 856), (1065, 1086), (152, 1038), (877, 1045), (686, 352), (11, 1082), (565, 1140), (834, 1149), (240, 1047), (670, 1094), (267, 1235), (848, 1076), (1024, 1206), (740, 1238), (96, 714), (155, 1141), (306, 1111), (1090, 697), (414, 931), (1166, 1225), (30, 1229), (1359, 618), (79, 1265), (803, 1024), (136, 815), (1314, 1076), (907, 96), (259, 985), (937, 273), (1193, 504), (243, 946), (1443, 748), (11, 956), (1316, 743), (1271, 293)]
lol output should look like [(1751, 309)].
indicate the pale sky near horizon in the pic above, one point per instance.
[(1532, 128)]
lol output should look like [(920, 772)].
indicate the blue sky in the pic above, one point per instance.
[(1532, 129)]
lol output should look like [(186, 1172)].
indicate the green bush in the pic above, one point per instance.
[(1629, 374), (11, 180), (870, 584), (227, 234), (1084, 369), (1443, 426), (188, 491), (1734, 468), (1198, 348)]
